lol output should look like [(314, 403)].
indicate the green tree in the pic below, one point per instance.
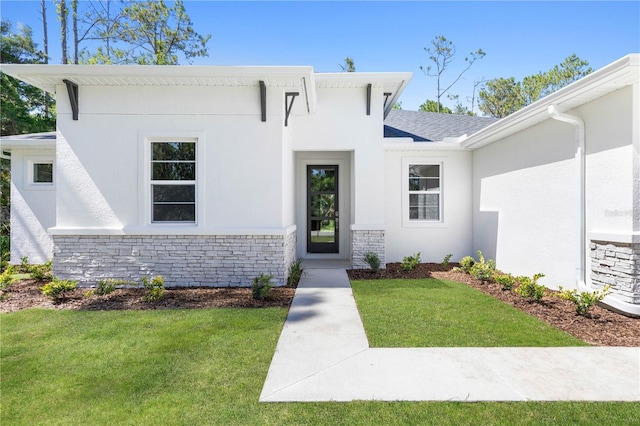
[(158, 34), (397, 105), (433, 106), (348, 66), (442, 53), (23, 106), (503, 96)]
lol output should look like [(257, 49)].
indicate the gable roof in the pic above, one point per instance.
[(623, 72), (430, 126)]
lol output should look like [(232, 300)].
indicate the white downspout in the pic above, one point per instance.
[(578, 123)]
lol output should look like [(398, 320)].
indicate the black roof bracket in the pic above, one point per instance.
[(369, 99), (263, 101), (72, 89), (288, 105), (386, 98)]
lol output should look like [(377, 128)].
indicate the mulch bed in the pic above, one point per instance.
[(27, 294), (602, 327)]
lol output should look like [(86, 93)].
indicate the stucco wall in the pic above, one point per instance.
[(33, 209), (525, 190), (434, 240), (103, 172)]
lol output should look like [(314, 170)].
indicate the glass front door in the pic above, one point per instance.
[(322, 209)]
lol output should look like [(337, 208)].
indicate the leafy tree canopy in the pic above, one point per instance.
[(433, 106), (25, 109), (503, 96)]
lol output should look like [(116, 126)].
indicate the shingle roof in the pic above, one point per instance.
[(430, 126)]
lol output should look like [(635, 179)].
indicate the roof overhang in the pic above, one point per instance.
[(45, 140), (300, 79), (621, 73)]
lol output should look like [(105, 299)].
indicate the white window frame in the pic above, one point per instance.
[(29, 165), (146, 199), (412, 223)]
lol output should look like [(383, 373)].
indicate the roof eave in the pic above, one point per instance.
[(614, 76)]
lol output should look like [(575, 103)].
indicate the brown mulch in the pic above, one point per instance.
[(26, 294), (602, 327)]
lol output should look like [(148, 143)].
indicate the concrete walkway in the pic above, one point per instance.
[(323, 355)]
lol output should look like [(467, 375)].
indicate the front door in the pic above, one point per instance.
[(322, 209)]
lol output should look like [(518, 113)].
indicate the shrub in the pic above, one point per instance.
[(261, 286), (5, 251), (507, 281), (466, 263), (583, 300), (57, 288), (6, 277), (410, 262), (155, 286), (40, 272), (24, 264), (447, 259), (530, 289), (295, 272), (372, 260), (109, 285), (481, 269)]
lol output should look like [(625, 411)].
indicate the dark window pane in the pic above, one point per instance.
[(43, 173), (173, 151), (174, 171), (424, 184), (323, 231), (323, 205), (323, 179), (174, 213), (174, 193), (424, 206), (418, 170)]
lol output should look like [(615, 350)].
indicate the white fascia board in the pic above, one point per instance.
[(46, 77), (406, 144), (614, 76), (32, 141)]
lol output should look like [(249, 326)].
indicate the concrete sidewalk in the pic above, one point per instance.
[(323, 355)]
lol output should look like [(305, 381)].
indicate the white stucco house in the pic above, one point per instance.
[(210, 175)]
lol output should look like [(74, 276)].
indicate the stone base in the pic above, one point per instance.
[(618, 265), (364, 241), (182, 260)]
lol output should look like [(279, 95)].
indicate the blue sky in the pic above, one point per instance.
[(520, 38)]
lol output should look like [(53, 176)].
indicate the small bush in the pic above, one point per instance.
[(40, 272), (507, 281), (24, 264), (447, 259), (5, 251), (466, 263), (481, 269), (109, 285), (583, 300), (372, 260), (261, 286), (6, 277), (57, 288), (530, 289), (295, 272), (155, 286), (410, 262)]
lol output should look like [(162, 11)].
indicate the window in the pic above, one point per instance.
[(173, 181), (424, 192), (43, 172)]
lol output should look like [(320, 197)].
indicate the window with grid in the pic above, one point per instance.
[(173, 182), (425, 192)]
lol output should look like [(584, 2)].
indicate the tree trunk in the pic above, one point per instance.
[(74, 9), (63, 28)]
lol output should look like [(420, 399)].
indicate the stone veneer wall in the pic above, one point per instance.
[(363, 241), (618, 265), (182, 260)]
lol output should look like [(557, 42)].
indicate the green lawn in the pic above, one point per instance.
[(436, 313), (201, 367)]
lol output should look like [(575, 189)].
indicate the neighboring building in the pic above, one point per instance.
[(211, 175)]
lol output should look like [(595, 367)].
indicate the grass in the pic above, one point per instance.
[(202, 367), (438, 313)]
